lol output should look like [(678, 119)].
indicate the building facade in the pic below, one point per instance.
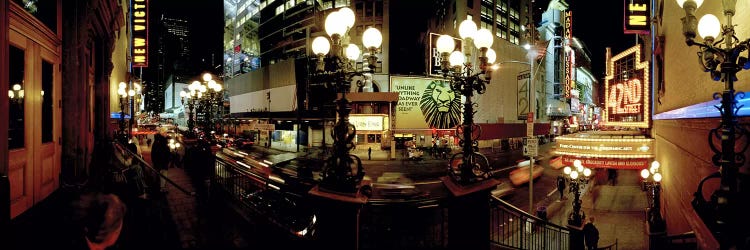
[(684, 115), (52, 126)]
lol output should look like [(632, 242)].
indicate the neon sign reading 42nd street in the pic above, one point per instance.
[(625, 98)]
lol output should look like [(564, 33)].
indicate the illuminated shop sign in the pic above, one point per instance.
[(606, 147), (637, 17), (570, 82), (608, 163), (426, 103), (627, 90), (139, 38), (368, 122), (435, 58)]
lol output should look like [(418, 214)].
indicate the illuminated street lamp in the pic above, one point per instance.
[(473, 166), (336, 66), (578, 176), (126, 95), (206, 94), (722, 59), (652, 183)]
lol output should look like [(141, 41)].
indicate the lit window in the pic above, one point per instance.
[(279, 9)]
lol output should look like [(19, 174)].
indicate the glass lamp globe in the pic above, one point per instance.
[(352, 52), (131, 92), (11, 94), (207, 77), (467, 29), (709, 26), (321, 46), (697, 3), (183, 93), (335, 24), (122, 92), (347, 17), (567, 170), (654, 167), (372, 38), (586, 172), (445, 44), (122, 86), (657, 177), (217, 87), (456, 58), (483, 38), (644, 173), (491, 56), (577, 163), (574, 175)]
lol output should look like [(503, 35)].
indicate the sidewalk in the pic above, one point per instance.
[(618, 211)]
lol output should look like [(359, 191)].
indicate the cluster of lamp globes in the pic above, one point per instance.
[(124, 92), (17, 92), (574, 173), (173, 144), (652, 172), (455, 59), (196, 89), (337, 25)]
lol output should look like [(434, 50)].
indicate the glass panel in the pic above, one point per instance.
[(47, 105), (45, 11), (16, 94)]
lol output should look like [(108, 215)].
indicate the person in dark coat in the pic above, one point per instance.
[(369, 153), (160, 156), (561, 186), (591, 234)]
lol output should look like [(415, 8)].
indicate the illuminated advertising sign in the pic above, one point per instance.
[(627, 91), (637, 17), (139, 38), (603, 147), (609, 163), (434, 64), (570, 82), (426, 103), (368, 122), (523, 94)]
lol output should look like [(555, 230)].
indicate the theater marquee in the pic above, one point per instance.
[(627, 91), (139, 38), (619, 150)]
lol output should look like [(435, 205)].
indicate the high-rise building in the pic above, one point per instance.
[(173, 59)]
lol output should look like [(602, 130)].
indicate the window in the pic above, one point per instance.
[(280, 9), (289, 4), (16, 97), (47, 104)]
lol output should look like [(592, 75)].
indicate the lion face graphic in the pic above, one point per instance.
[(441, 107)]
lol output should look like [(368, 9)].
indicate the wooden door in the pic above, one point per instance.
[(35, 117)]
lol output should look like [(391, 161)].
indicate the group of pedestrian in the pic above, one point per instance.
[(160, 158)]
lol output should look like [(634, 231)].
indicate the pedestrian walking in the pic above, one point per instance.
[(561, 186), (369, 153), (160, 157), (590, 234)]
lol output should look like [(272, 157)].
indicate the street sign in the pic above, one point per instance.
[(530, 147), (529, 129)]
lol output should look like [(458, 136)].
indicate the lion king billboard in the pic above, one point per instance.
[(426, 103)]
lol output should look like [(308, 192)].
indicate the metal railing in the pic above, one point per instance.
[(148, 168), (417, 224), (515, 229)]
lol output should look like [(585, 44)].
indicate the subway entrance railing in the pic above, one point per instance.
[(277, 191)]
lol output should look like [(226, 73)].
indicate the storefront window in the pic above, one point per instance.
[(16, 97)]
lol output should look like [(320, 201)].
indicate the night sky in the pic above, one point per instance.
[(599, 24)]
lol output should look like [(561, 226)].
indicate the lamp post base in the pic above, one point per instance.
[(469, 212), (338, 223)]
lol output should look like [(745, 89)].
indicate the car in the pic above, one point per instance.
[(243, 143)]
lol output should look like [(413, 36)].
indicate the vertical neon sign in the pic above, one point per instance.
[(627, 94)]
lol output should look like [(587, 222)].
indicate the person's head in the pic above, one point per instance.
[(591, 219), (101, 217)]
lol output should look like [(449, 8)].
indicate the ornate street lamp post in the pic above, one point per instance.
[(652, 183), (205, 95), (577, 216), (126, 94), (722, 59), (343, 171), (473, 166)]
